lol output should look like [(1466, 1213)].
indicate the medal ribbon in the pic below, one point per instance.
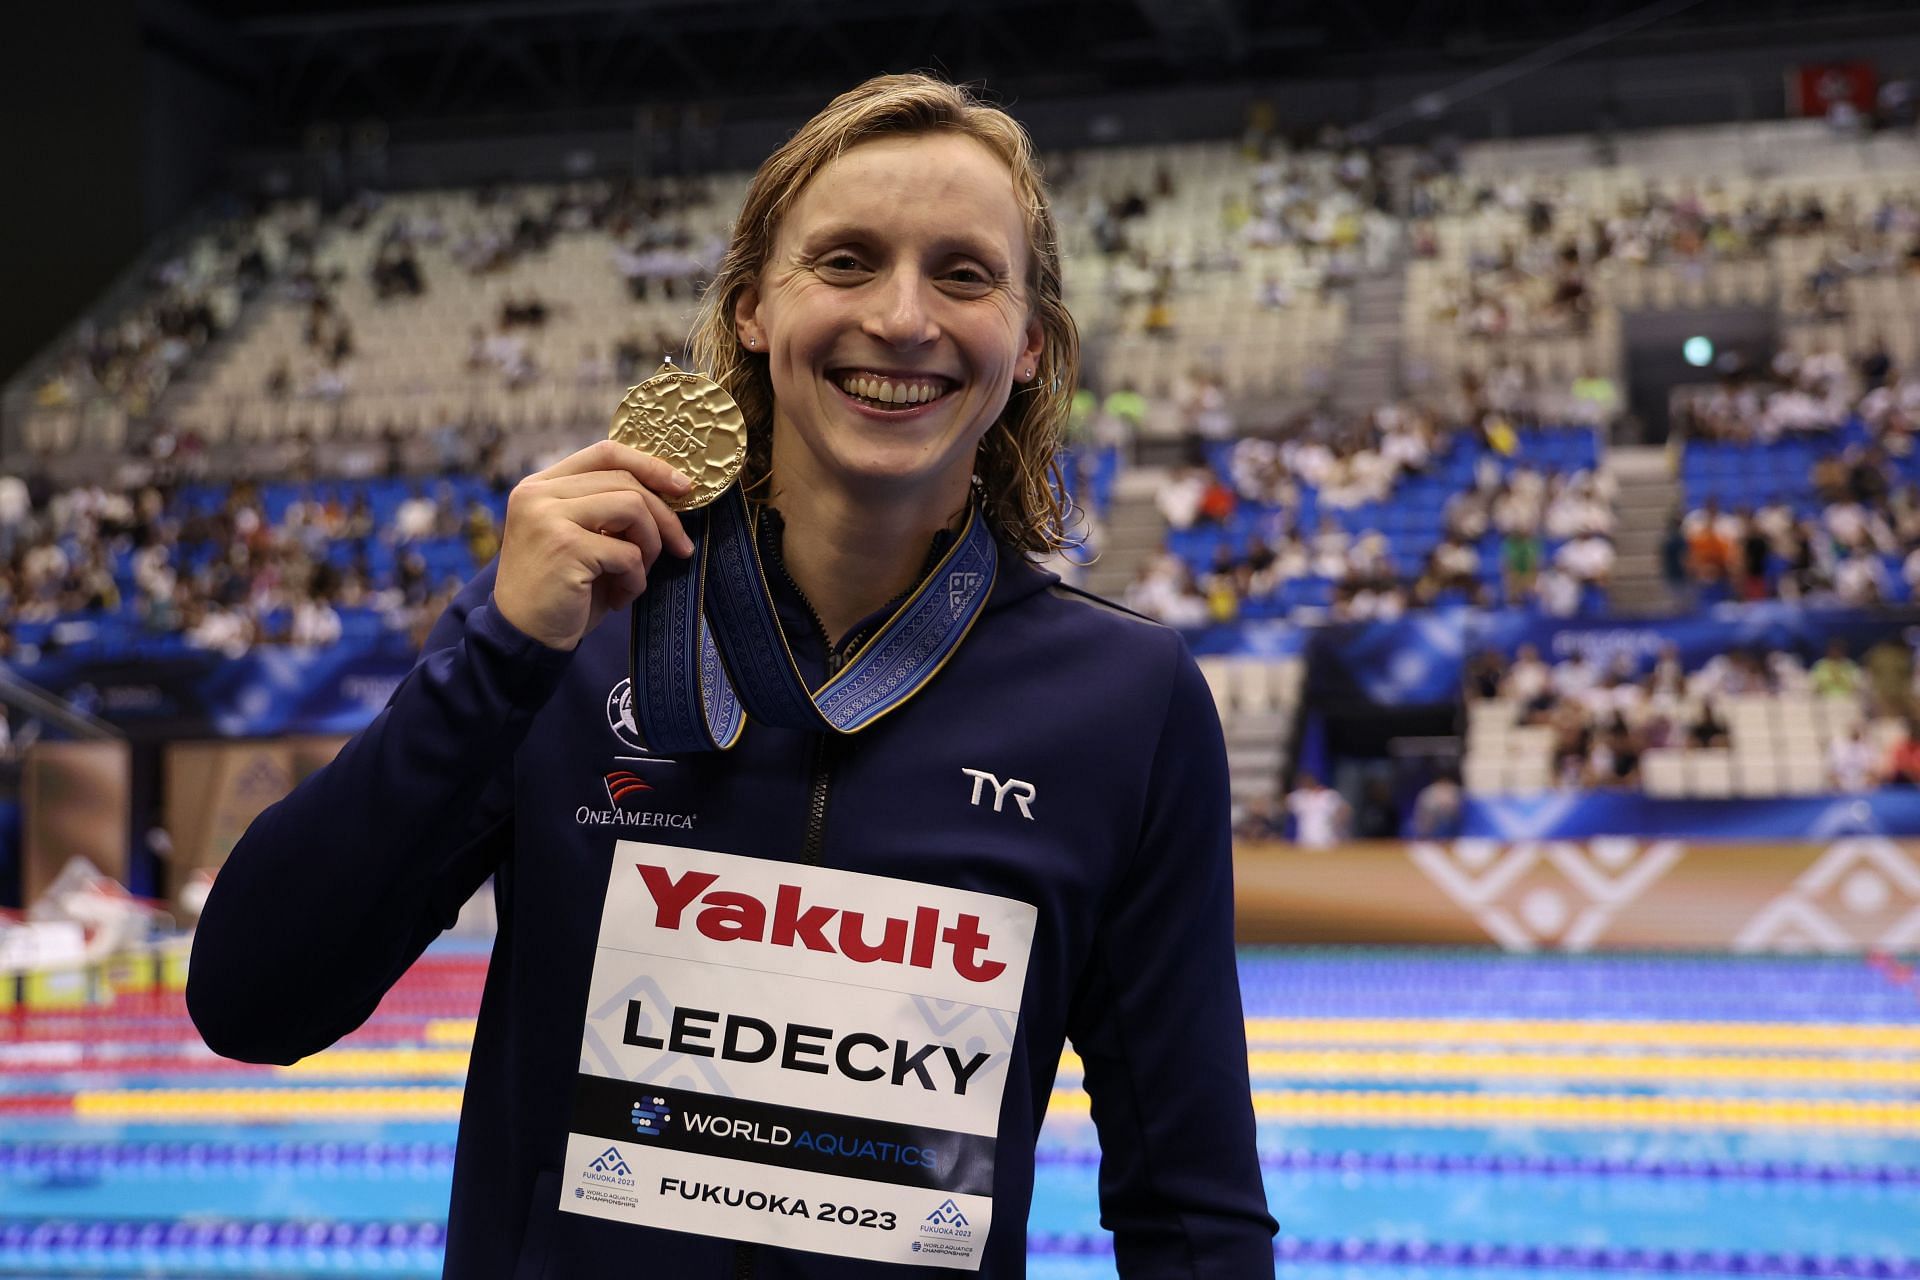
[(703, 662)]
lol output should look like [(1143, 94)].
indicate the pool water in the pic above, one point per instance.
[(1455, 1114)]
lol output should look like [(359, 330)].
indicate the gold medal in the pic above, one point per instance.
[(690, 422)]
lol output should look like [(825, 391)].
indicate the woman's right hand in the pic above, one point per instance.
[(580, 537)]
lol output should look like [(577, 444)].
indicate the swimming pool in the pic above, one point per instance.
[(1457, 1114)]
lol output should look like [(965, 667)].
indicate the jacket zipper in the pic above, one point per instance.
[(822, 769), (823, 753), (745, 1256)]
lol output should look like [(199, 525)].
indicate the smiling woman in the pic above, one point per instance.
[(986, 813), (892, 344)]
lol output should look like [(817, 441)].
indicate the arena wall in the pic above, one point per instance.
[(1858, 894)]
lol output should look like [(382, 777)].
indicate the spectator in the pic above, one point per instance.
[(1851, 764), (1615, 758), (1181, 497), (1675, 555), (1710, 537), (1438, 808), (1520, 553), (1887, 668), (1557, 592), (1321, 817), (1588, 560), (1596, 400), (1378, 817), (1860, 580), (1126, 408), (1260, 819), (1485, 675), (1902, 767), (1530, 681), (315, 623), (1836, 675)]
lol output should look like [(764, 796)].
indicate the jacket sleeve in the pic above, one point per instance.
[(1158, 1025), (336, 889)]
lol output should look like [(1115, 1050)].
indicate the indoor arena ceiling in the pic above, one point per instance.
[(414, 61)]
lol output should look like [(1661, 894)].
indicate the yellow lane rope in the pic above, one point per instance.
[(1800, 1037), (180, 1106), (1339, 1064), (1437, 1108), (359, 1063), (1652, 1068), (1474, 1110)]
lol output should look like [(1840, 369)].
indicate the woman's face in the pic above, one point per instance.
[(894, 316)]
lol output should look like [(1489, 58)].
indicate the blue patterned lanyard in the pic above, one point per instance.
[(702, 662)]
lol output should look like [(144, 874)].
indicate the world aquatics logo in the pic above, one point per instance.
[(650, 1116)]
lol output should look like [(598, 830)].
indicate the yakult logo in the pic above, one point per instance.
[(728, 915)]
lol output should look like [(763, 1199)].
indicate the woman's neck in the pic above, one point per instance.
[(851, 557)]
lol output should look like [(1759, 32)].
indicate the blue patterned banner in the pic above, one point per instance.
[(1420, 660), (269, 691), (1577, 815)]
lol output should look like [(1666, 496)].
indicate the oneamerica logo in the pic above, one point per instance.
[(731, 915), (626, 789), (587, 816)]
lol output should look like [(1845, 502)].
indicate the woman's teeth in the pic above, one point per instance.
[(891, 391)]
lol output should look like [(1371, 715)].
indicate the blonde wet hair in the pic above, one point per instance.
[(1020, 480)]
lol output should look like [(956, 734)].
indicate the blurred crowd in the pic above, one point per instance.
[(1321, 200), (1313, 815), (1606, 716), (1493, 537), (1538, 278), (1857, 542), (220, 575), (1810, 396), (188, 299), (282, 249)]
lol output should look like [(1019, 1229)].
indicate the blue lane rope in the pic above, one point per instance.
[(1417, 1162), (40, 1235), (437, 1157), (1604, 1258), (52, 1155)]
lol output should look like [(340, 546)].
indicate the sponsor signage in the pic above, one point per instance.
[(797, 1056)]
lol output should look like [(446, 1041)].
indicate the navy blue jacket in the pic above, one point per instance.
[(492, 759)]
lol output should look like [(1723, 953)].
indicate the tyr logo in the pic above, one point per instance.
[(1023, 793)]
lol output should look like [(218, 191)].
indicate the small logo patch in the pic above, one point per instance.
[(625, 784), (960, 586), (1022, 793), (650, 1116), (620, 715), (612, 1162)]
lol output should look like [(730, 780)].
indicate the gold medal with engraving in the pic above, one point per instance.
[(689, 422)]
